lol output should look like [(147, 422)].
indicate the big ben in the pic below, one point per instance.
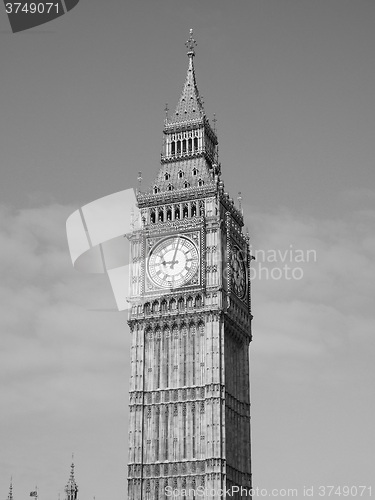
[(190, 321)]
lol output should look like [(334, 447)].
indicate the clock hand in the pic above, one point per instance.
[(174, 261), (169, 262)]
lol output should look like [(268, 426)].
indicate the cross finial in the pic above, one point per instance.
[(190, 44)]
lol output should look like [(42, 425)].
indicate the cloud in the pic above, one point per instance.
[(358, 195), (330, 304), (312, 371), (64, 366), (44, 301), (59, 360)]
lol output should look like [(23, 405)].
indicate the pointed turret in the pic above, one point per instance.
[(71, 488), (189, 163), (10, 494), (190, 105), (187, 133)]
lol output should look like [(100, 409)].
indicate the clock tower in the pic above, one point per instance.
[(190, 321)]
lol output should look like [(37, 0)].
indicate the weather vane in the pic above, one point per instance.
[(190, 44)]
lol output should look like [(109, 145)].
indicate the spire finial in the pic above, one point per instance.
[(190, 44)]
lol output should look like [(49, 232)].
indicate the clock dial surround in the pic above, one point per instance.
[(238, 273), (173, 262)]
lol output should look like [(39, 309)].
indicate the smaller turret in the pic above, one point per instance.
[(71, 489), (10, 494), (187, 133)]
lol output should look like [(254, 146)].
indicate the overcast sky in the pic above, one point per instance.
[(82, 109)]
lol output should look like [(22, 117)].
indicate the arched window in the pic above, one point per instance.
[(201, 208), (163, 306), (195, 171), (166, 176), (177, 213), (156, 189), (169, 214), (190, 145), (146, 308), (172, 305), (186, 184), (181, 304), (161, 215), (185, 212), (196, 143), (198, 301), (178, 147), (193, 209), (184, 146), (152, 217), (170, 187), (189, 302), (180, 174), (200, 182), (173, 147)]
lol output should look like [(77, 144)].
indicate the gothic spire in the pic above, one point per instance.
[(71, 488), (189, 151), (10, 495), (190, 105)]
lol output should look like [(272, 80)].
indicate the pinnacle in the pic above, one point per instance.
[(190, 105)]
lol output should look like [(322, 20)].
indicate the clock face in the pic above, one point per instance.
[(238, 273), (173, 262)]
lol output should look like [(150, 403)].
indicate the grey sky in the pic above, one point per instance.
[(82, 99)]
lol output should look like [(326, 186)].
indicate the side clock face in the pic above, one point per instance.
[(238, 273), (173, 262)]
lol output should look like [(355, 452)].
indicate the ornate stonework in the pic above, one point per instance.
[(190, 319), (71, 488)]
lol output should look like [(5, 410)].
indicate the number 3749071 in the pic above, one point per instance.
[(31, 8), (345, 491)]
